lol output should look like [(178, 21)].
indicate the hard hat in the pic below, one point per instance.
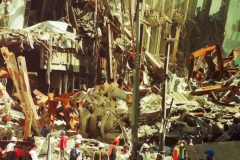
[(209, 152), (77, 141), (79, 136), (116, 140), (14, 139), (145, 145), (63, 132), (101, 145)]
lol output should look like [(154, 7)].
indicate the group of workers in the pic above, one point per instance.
[(15, 154), (77, 154), (102, 154), (112, 154)]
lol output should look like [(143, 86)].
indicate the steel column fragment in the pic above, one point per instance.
[(18, 72), (136, 83), (164, 95), (95, 48)]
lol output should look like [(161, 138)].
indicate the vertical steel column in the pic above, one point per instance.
[(162, 130), (95, 48), (136, 84)]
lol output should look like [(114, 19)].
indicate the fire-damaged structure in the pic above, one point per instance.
[(73, 68)]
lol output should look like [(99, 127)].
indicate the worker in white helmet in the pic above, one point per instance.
[(101, 154), (144, 154), (11, 155), (125, 155), (76, 153)]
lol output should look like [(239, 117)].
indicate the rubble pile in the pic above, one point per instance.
[(104, 112), (89, 64), (46, 34)]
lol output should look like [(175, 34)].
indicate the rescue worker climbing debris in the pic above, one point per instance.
[(101, 154), (63, 143), (144, 154), (113, 151)]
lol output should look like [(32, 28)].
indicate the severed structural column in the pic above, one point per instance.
[(18, 72), (164, 116), (136, 83)]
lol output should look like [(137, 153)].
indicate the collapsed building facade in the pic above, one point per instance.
[(79, 60)]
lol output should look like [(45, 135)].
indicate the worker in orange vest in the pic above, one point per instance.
[(113, 151)]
